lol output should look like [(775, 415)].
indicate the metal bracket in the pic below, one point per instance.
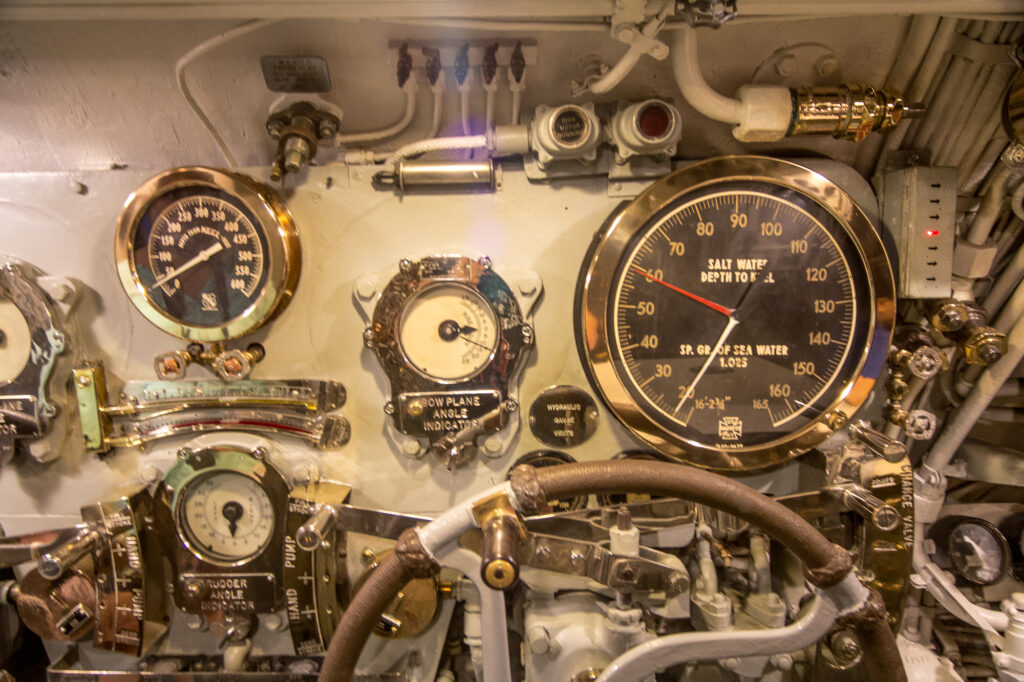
[(25, 411), (711, 13), (151, 411)]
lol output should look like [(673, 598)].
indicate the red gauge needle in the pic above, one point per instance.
[(711, 304)]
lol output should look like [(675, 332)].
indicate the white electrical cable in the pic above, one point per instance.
[(437, 144), (435, 122), (990, 207), (464, 110), (489, 109), (198, 51), (342, 139), (648, 658), (617, 73), (695, 89), (1008, 280), (984, 391), (517, 99)]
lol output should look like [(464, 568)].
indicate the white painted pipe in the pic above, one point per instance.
[(984, 391), (695, 89), (343, 139)]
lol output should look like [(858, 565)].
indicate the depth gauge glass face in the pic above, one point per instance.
[(200, 256), (226, 517), (733, 318), (979, 553), (448, 332)]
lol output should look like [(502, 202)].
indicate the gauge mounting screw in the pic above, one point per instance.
[(368, 337), (406, 266), (527, 334), (485, 262), (389, 408), (510, 405), (837, 419)]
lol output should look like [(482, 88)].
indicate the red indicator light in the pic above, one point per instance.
[(931, 233)]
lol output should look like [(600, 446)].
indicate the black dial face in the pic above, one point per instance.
[(201, 256), (733, 318), (978, 551)]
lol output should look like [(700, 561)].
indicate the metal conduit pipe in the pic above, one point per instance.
[(990, 207), (825, 564), (979, 161), (984, 391), (695, 89), (915, 46), (1007, 282), (978, 127), (650, 657), (342, 139), (925, 76)]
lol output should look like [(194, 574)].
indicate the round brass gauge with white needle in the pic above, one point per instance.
[(226, 517), (205, 254), (226, 507), (448, 332), (736, 313)]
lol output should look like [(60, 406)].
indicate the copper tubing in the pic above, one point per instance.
[(362, 613)]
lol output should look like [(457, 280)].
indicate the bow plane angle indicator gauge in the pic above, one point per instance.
[(736, 313), (207, 255)]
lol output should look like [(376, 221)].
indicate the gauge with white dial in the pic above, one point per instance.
[(225, 517), (448, 332)]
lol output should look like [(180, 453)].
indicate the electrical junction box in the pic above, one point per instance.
[(919, 209)]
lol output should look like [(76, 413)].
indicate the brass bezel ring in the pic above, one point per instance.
[(611, 245), (283, 259), (224, 460)]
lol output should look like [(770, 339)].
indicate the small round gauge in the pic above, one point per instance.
[(225, 517), (448, 332), (206, 255), (978, 551), (736, 313)]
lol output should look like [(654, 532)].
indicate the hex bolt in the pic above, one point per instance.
[(826, 65), (787, 65), (538, 639), (365, 289)]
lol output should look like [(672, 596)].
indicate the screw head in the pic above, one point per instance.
[(990, 351)]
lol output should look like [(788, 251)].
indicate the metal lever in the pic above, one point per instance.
[(17, 549), (877, 442), (53, 564), (857, 498), (310, 535), (500, 556)]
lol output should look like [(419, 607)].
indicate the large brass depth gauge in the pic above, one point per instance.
[(736, 313)]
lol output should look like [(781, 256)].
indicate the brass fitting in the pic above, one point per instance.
[(982, 345), (849, 111), (503, 540), (228, 364), (298, 130), (948, 315)]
